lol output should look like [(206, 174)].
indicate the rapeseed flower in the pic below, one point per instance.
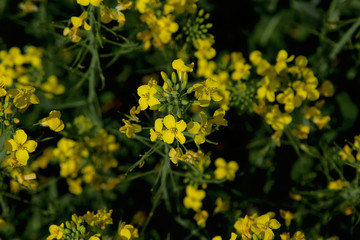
[(147, 98), (56, 232), (157, 133), (225, 170), (53, 121), (21, 146), (174, 130), (200, 130), (87, 2), (201, 217), (130, 128), (193, 198), (205, 91), (263, 226)]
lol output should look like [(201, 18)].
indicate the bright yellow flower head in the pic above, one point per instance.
[(263, 226), (179, 65), (53, 121), (87, 2), (23, 98), (193, 198), (207, 90), (287, 216), (99, 220), (225, 170), (337, 184), (201, 217), (147, 98), (130, 128), (174, 130), (269, 86), (277, 119), (157, 134), (55, 232), (200, 129), (20, 146)]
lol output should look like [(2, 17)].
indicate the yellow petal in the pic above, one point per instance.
[(20, 137), (83, 2), (30, 146), (22, 156), (169, 121), (76, 21)]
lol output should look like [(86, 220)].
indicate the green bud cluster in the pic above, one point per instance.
[(173, 99), (243, 99), (196, 28)]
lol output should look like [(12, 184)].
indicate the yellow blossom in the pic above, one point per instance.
[(193, 198), (221, 205), (147, 98), (301, 132), (277, 119), (269, 86), (337, 184), (287, 216), (21, 146), (51, 86), (204, 48), (175, 155), (53, 121), (174, 130), (205, 91), (99, 220), (200, 129), (127, 232), (157, 133), (130, 129), (55, 232), (74, 185), (201, 217), (243, 226), (263, 226), (87, 2), (289, 100), (225, 170), (281, 60), (241, 71), (24, 97)]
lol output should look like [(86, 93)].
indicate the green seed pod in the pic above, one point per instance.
[(173, 77), (67, 231), (184, 102), (163, 108), (201, 12), (175, 93), (190, 89), (169, 83), (159, 88), (177, 86), (178, 113)]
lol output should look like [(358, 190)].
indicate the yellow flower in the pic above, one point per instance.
[(157, 134), (289, 100), (99, 220), (180, 6), (218, 118), (269, 85), (277, 119), (204, 48), (2, 223), (175, 155), (21, 146), (241, 71), (53, 121), (147, 98), (55, 232), (263, 226), (87, 2), (298, 235), (127, 232), (174, 130), (74, 185), (200, 130), (301, 132), (327, 89), (77, 22), (232, 237), (130, 129), (179, 65), (107, 14), (193, 198), (337, 185), (24, 97), (281, 60), (205, 91), (221, 206), (201, 217), (287, 216), (225, 170), (243, 226), (51, 86)]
